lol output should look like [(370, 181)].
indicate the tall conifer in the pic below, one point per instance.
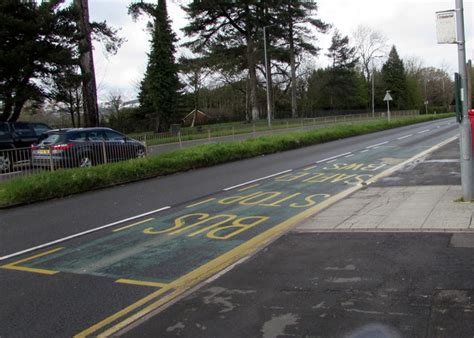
[(160, 88)]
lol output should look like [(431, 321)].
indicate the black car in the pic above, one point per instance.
[(84, 147), (15, 141)]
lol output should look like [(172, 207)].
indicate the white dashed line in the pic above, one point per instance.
[(258, 179), (349, 156), (376, 145), (83, 233), (401, 138), (364, 151), (333, 157), (424, 131)]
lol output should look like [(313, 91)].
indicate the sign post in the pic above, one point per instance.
[(450, 30), (388, 98)]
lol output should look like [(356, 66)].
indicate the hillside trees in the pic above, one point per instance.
[(160, 87)]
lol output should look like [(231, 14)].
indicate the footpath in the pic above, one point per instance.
[(395, 259)]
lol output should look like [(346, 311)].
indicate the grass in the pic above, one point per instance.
[(47, 185)]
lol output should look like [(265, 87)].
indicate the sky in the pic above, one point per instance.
[(409, 25)]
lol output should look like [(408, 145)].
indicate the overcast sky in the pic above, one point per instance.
[(409, 25)]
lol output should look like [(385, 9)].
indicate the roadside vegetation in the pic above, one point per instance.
[(48, 185)]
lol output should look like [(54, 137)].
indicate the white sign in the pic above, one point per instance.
[(387, 97), (446, 26)]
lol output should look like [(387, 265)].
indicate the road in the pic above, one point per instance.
[(208, 219)]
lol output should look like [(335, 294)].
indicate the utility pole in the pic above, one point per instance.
[(268, 71), (86, 60), (465, 126)]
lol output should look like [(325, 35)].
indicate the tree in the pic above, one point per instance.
[(35, 42), (194, 72), (344, 87), (341, 53), (370, 45), (160, 88), (66, 90), (39, 42), (86, 61), (394, 76), (298, 19), (228, 33)]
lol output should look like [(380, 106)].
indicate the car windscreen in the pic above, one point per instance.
[(53, 138)]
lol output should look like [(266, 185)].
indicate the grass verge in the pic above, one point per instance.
[(61, 183)]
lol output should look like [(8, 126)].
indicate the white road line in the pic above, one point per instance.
[(376, 145), (333, 157), (258, 179), (82, 233), (349, 155), (438, 126), (401, 138), (424, 131), (364, 151)]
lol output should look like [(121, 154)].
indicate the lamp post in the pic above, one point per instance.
[(268, 73), (373, 84)]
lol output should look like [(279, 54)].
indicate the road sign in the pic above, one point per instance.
[(388, 97), (446, 26)]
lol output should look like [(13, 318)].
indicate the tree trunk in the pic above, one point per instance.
[(7, 108), (253, 84), (294, 103), (86, 60)]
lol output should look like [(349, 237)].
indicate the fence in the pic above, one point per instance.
[(75, 154), (236, 131), (81, 153)]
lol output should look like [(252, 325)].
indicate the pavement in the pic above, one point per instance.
[(392, 260)]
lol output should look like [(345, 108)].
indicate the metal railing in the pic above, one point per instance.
[(239, 131), (28, 161)]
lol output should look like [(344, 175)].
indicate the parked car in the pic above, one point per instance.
[(84, 147), (15, 141)]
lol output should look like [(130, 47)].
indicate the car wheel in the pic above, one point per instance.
[(140, 153), (6, 164), (85, 161)]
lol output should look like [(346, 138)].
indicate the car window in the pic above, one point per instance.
[(4, 132), (24, 130), (52, 139), (78, 136), (95, 135), (114, 136), (40, 128)]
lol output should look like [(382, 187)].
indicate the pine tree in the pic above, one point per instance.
[(160, 88), (345, 87), (394, 76), (32, 48)]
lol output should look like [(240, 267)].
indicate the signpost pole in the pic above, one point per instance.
[(465, 126), (388, 98)]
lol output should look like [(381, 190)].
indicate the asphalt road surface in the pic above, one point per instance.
[(94, 263)]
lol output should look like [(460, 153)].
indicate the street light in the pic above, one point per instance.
[(373, 84), (268, 71)]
